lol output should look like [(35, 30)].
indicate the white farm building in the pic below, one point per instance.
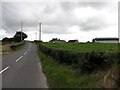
[(106, 40)]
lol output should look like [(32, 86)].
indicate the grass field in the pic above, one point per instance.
[(84, 47)]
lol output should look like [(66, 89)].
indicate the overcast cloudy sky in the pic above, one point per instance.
[(65, 20)]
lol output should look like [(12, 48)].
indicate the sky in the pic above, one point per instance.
[(65, 20)]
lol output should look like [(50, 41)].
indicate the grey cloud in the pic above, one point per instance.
[(48, 9), (54, 29), (72, 5), (93, 24), (12, 17), (96, 5), (14, 13)]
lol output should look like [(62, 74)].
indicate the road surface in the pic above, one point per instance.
[(22, 69)]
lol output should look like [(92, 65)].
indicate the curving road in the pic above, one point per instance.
[(22, 69)]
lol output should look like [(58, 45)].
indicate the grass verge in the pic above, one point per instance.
[(8, 48), (62, 76), (17, 46)]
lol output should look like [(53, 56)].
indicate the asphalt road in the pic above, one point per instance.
[(22, 69)]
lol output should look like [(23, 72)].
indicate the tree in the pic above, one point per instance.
[(93, 40), (17, 36), (5, 40)]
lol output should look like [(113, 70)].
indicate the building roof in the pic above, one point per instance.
[(99, 39), (73, 41)]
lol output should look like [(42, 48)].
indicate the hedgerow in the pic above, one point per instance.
[(87, 62)]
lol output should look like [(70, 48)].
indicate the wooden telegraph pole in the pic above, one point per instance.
[(21, 29), (40, 31)]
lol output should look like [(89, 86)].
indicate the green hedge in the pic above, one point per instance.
[(87, 62)]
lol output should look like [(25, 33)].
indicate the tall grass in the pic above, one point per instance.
[(62, 76)]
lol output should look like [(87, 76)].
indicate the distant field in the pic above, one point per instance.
[(84, 47)]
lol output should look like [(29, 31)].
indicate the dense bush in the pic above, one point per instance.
[(87, 62), (7, 40)]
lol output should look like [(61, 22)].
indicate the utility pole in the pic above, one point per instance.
[(40, 31), (31, 37), (21, 29), (36, 35)]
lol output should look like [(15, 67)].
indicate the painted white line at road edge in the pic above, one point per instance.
[(4, 70), (19, 58)]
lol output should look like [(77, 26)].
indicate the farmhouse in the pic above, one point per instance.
[(106, 40), (56, 40)]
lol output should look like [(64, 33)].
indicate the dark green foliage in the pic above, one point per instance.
[(7, 40), (11, 39), (118, 56), (63, 76), (119, 76), (93, 40), (17, 36), (87, 62), (92, 61)]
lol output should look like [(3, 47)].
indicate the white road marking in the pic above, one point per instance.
[(19, 58), (16, 60), (29, 47), (25, 53), (4, 70)]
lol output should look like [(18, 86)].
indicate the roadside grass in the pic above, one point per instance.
[(62, 76), (6, 48), (17, 46)]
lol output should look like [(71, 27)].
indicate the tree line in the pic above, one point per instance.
[(18, 37)]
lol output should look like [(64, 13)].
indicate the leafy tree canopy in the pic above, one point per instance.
[(19, 36), (16, 38)]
